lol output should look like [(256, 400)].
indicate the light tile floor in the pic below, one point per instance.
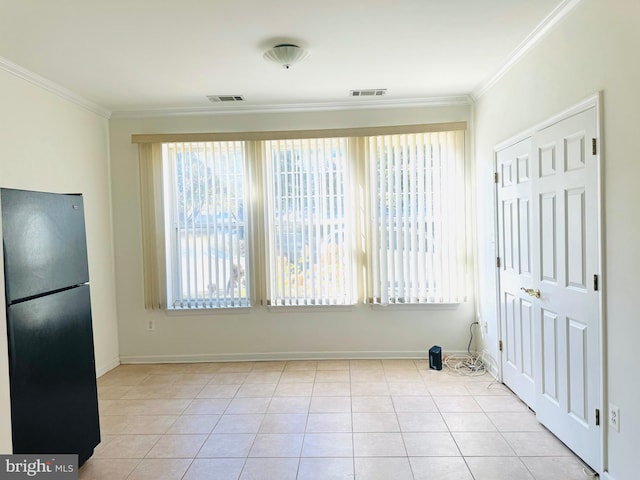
[(305, 420)]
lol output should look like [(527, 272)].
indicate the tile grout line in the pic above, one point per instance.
[(387, 369)]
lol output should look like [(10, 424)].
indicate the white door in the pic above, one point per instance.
[(567, 315), (550, 304), (516, 307)]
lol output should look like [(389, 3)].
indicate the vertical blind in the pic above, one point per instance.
[(207, 225), (377, 218), (308, 205), (153, 232), (417, 187)]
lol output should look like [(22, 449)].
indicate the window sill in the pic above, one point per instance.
[(415, 306), (181, 312)]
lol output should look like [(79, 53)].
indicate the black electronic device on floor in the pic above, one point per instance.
[(435, 358)]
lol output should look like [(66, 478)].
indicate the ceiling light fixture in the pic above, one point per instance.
[(286, 55)]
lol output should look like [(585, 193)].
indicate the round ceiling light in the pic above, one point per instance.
[(286, 55)]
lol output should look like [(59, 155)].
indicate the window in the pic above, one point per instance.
[(305, 221), (417, 205), (309, 241), (205, 220)]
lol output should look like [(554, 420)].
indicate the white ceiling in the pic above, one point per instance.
[(138, 55)]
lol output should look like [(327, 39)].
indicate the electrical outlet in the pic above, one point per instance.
[(485, 327), (614, 417), (151, 325)]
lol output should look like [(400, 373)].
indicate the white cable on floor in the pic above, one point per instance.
[(469, 365)]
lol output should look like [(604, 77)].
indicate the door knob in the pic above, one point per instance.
[(531, 291)]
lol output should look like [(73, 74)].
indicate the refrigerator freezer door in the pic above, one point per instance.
[(54, 405), (45, 247)]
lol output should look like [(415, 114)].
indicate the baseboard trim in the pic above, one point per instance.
[(275, 356), (491, 365), (102, 369)]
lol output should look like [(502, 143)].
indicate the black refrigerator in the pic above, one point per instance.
[(54, 404)]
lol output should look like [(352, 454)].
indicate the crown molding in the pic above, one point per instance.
[(39, 81), (292, 108), (554, 18)]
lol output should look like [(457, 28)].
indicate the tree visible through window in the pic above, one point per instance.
[(300, 246), (308, 209), (207, 224)]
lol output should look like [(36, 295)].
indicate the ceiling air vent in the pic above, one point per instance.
[(372, 92), (225, 98)]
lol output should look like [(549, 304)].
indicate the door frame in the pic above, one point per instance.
[(593, 101)]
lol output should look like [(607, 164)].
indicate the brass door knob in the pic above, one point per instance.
[(531, 291)]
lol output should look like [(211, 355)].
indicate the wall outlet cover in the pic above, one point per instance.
[(614, 417)]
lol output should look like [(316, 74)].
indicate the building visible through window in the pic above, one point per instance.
[(320, 221)]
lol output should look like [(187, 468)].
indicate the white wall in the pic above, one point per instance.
[(260, 333), (49, 144), (595, 48)]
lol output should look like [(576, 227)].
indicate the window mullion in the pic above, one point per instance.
[(367, 238), (402, 207), (254, 227)]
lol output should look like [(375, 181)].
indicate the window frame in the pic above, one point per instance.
[(346, 175), (256, 249), (209, 151), (443, 160)]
